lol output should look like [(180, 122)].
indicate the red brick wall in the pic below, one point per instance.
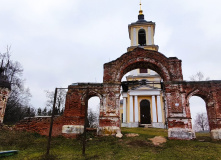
[(177, 94)]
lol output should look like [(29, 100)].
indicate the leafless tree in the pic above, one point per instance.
[(199, 76), (60, 101), (18, 105), (201, 122), (92, 119)]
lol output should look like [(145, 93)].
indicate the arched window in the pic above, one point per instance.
[(142, 37), (145, 116)]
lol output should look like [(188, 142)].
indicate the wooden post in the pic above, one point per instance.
[(51, 125), (85, 122)]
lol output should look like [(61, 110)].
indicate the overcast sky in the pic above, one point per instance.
[(59, 42)]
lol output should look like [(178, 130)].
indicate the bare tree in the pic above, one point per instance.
[(18, 105), (92, 119), (201, 122), (199, 76), (60, 101)]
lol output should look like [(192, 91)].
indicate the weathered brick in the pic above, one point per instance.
[(177, 95)]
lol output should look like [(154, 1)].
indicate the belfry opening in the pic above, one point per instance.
[(142, 37)]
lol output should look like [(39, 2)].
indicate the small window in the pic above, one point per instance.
[(142, 37), (143, 70)]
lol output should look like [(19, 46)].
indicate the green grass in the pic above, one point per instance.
[(33, 146)]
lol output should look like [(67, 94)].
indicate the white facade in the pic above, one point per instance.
[(142, 104)]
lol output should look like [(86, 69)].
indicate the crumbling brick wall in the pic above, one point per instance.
[(177, 94)]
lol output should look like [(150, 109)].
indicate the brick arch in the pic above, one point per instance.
[(147, 63), (207, 97), (91, 94), (168, 68), (199, 92)]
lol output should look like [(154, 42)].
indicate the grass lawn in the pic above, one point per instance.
[(32, 146)]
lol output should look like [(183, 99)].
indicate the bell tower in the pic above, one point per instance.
[(141, 33)]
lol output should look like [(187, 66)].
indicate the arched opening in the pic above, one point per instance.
[(142, 37), (199, 116), (142, 97), (145, 114), (93, 112), (153, 68)]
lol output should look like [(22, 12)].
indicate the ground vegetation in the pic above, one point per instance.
[(33, 146)]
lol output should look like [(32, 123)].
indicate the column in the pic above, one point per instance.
[(159, 109), (154, 109), (131, 109), (136, 109), (124, 110)]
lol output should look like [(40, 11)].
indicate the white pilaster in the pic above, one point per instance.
[(154, 109), (124, 110), (159, 109), (149, 36), (136, 108), (135, 37), (131, 109)]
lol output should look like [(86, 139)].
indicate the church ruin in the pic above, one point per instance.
[(169, 106)]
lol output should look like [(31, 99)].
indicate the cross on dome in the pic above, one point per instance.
[(140, 11)]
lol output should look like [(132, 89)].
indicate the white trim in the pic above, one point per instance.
[(154, 109), (149, 36), (131, 109), (124, 110), (124, 94), (143, 93), (159, 109), (135, 37), (136, 109)]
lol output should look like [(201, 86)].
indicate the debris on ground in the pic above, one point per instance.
[(131, 135), (158, 140)]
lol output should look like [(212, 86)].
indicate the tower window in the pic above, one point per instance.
[(142, 37)]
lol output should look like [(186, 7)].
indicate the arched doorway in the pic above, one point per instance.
[(145, 114)]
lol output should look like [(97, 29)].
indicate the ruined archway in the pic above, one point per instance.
[(179, 118), (168, 68)]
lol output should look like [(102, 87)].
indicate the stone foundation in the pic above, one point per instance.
[(73, 129), (130, 125), (181, 133), (158, 125), (216, 134)]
